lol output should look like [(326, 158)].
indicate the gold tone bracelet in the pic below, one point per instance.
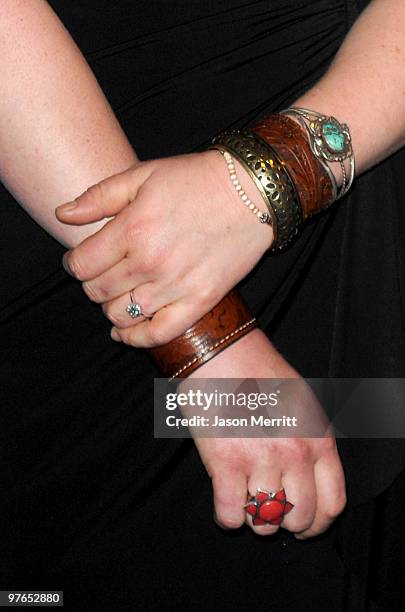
[(272, 179)]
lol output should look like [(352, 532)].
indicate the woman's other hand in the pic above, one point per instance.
[(180, 239), (308, 468)]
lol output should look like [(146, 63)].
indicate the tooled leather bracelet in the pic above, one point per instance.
[(228, 321), (289, 141)]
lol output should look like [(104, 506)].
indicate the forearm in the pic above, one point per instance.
[(58, 134), (365, 84)]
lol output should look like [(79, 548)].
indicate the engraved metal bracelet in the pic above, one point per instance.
[(271, 177), (330, 141)]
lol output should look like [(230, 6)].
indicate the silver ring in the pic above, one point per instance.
[(134, 309)]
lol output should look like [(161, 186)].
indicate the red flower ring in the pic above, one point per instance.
[(268, 508)]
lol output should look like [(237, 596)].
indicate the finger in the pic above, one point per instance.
[(229, 490), (151, 298), (98, 253), (117, 281), (262, 480), (331, 495), (300, 489), (105, 199), (167, 324)]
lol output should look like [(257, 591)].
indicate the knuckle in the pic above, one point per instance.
[(229, 458), (94, 194), (140, 225), (92, 293), (207, 296), (336, 507), (148, 263), (145, 237), (158, 258), (127, 337), (159, 336), (303, 451), (76, 267), (133, 234), (153, 258), (329, 444), (110, 314), (298, 451)]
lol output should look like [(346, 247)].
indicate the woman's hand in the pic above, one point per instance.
[(309, 469), (180, 239)]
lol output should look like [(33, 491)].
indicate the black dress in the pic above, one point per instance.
[(90, 502)]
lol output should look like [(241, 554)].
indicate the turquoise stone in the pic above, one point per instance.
[(333, 136)]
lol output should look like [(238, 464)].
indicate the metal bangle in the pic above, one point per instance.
[(330, 141), (271, 177)]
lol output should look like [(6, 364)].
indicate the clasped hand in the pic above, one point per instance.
[(179, 239)]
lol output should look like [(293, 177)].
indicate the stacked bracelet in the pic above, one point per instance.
[(271, 178), (289, 161), (330, 141)]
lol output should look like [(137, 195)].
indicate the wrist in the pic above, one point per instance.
[(314, 101), (301, 160), (219, 328), (241, 214), (252, 356)]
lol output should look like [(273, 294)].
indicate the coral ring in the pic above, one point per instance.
[(268, 507)]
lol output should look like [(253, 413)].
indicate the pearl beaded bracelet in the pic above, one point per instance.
[(263, 217)]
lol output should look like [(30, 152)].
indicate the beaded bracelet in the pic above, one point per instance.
[(271, 178), (263, 217)]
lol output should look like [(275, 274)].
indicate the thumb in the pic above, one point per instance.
[(104, 199)]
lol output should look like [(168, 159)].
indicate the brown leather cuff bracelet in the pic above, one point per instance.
[(228, 321), (290, 143)]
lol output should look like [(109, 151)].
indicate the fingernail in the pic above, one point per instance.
[(115, 335), (67, 208), (65, 263)]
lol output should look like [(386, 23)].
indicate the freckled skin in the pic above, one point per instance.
[(77, 144)]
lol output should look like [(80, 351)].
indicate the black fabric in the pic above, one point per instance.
[(92, 503)]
